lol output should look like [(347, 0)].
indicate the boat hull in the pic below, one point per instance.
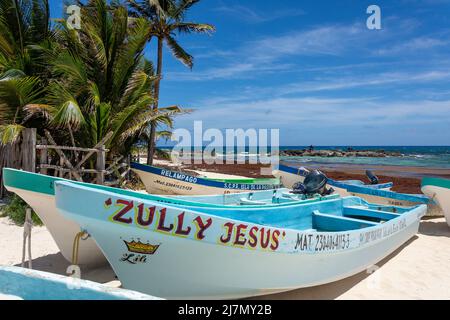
[(61, 229), (433, 210), (191, 266), (25, 284), (166, 182), (440, 194), (289, 179)]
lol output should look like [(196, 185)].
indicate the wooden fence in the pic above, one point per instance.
[(63, 161)]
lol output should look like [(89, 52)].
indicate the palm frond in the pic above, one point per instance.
[(44, 111), (12, 74), (10, 133), (15, 93), (192, 27), (68, 114), (179, 52)]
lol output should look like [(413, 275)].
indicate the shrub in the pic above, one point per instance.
[(16, 211)]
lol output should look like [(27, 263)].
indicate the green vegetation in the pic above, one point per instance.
[(166, 18), (16, 211), (82, 84)]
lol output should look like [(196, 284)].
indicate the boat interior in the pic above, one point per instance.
[(330, 214), (333, 215), (268, 197)]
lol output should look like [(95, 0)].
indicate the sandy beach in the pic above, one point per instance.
[(417, 270)]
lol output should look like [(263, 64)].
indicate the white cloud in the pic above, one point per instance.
[(251, 16), (231, 71), (323, 113), (386, 78), (413, 46)]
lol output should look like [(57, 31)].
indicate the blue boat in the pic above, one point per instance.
[(374, 193), (25, 284), (220, 253)]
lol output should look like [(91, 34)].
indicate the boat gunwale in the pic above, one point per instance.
[(417, 211), (435, 182), (215, 183), (10, 182)]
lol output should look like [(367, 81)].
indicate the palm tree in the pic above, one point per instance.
[(166, 17), (100, 80), (24, 31)]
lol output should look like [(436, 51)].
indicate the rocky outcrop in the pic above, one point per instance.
[(339, 153)]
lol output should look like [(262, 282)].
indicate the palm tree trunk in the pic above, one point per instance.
[(152, 142)]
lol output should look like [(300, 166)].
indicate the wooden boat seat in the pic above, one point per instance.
[(369, 213), (329, 222)]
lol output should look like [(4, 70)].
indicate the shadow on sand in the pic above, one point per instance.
[(331, 290), (55, 263), (430, 227)]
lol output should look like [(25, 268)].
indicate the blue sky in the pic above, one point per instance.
[(314, 70)]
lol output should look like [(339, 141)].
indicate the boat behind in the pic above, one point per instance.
[(374, 193), (178, 253), (25, 284), (438, 189), (169, 182)]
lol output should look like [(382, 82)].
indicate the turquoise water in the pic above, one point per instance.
[(414, 156), (430, 157)]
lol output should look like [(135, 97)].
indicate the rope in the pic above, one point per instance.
[(76, 245), (74, 270), (27, 226)]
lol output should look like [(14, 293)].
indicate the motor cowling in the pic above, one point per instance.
[(315, 183), (373, 178)]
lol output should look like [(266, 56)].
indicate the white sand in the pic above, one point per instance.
[(44, 252), (417, 270)]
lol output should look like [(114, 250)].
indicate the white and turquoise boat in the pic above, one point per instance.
[(438, 189), (217, 253), (25, 284), (374, 193), (165, 181), (38, 191)]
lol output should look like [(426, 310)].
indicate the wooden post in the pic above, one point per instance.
[(29, 149), (61, 164), (43, 157), (100, 166)]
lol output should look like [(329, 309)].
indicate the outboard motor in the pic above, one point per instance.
[(298, 188), (314, 183), (373, 178)]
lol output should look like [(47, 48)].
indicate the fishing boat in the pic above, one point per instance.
[(216, 253), (438, 189), (289, 176), (26, 284), (165, 181), (38, 192), (375, 193)]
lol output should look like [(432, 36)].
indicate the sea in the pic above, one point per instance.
[(411, 156)]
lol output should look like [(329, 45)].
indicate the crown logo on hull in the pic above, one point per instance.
[(141, 248)]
